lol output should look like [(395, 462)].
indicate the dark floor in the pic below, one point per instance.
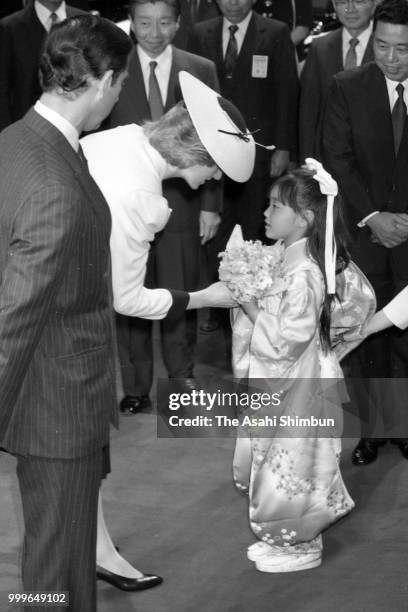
[(171, 507)]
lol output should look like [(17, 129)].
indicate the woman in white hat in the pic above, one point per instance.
[(130, 162), (196, 142)]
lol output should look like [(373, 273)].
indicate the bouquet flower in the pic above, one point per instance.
[(250, 269)]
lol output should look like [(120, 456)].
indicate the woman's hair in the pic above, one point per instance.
[(301, 192), (81, 47), (175, 138)]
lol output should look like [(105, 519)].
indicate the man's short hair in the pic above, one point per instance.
[(173, 4), (391, 11), (81, 47)]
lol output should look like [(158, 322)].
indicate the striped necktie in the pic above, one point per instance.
[(399, 112), (52, 20), (351, 55), (231, 53), (155, 99)]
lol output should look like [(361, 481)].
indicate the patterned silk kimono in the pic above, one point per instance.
[(294, 483)]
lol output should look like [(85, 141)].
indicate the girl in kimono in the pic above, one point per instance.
[(294, 483)]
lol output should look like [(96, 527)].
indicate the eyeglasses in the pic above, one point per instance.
[(343, 3)]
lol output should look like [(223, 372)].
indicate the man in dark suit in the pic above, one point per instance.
[(256, 67), (365, 141), (57, 372), (345, 48), (298, 14), (192, 12), (174, 257), (22, 35)]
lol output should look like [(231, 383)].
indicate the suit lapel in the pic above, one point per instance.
[(368, 53), (174, 94), (33, 34), (334, 56), (136, 91), (253, 39), (47, 132), (377, 106), (173, 87), (214, 45)]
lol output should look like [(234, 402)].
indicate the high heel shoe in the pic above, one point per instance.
[(147, 581)]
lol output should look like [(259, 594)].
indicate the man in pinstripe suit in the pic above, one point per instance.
[(57, 379)]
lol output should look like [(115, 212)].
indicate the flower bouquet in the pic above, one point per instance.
[(251, 271)]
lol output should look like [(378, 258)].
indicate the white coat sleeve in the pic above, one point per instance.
[(397, 310), (134, 224)]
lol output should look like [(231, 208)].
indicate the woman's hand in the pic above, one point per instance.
[(216, 295)]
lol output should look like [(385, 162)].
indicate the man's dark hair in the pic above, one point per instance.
[(391, 11), (81, 47), (174, 4)]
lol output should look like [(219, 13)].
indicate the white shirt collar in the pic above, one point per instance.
[(392, 93), (239, 34), (63, 125), (164, 61), (165, 57), (43, 13), (363, 39)]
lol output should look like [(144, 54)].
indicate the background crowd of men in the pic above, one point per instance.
[(346, 106), (245, 49)]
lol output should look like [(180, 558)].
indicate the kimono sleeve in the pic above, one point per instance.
[(285, 334)]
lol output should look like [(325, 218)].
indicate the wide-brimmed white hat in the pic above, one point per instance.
[(221, 128)]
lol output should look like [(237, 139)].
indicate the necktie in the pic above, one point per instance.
[(399, 112), (155, 99), (351, 55), (231, 53), (53, 19)]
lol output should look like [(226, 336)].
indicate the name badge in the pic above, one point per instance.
[(259, 66)]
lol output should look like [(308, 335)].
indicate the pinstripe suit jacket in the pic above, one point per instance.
[(57, 382)]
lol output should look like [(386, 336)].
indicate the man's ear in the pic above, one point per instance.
[(105, 83)]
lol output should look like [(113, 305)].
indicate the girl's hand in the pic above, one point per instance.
[(251, 309)]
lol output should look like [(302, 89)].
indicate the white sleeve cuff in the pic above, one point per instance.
[(397, 310), (363, 222)]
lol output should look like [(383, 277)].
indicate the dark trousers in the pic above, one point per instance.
[(60, 503), (178, 340), (173, 264), (385, 355)]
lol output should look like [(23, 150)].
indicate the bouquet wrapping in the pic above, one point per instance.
[(251, 271)]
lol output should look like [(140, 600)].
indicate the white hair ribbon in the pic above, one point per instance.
[(328, 187)]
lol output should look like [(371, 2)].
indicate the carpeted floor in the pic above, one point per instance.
[(172, 509)]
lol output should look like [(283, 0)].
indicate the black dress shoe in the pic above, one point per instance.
[(131, 404), (402, 444), (187, 385), (365, 452), (128, 584)]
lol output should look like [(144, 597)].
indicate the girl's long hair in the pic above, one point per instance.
[(301, 192)]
